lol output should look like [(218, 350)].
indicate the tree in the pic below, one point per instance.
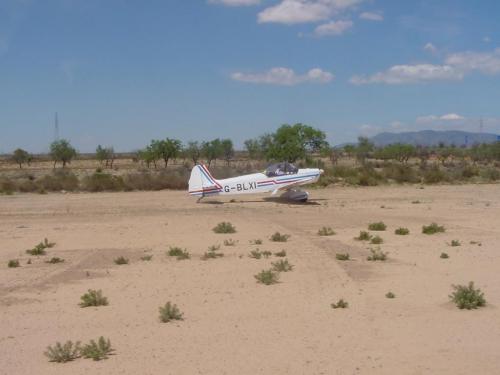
[(167, 149), (148, 156), (253, 148), (21, 156), (227, 150), (193, 151), (62, 151), (363, 149), (212, 150), (106, 154)]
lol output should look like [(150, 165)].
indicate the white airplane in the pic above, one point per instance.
[(277, 177)]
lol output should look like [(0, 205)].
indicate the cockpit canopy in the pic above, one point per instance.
[(280, 169)]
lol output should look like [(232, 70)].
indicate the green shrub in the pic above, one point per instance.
[(377, 255), (281, 253), (444, 256), (379, 226), (55, 260), (434, 175), (455, 243), (146, 258), (326, 231), (170, 312), (230, 242), (432, 229), (467, 297), (267, 277), (416, 202), (97, 350), (341, 304), (93, 298), (103, 182), (181, 254), (212, 253), (402, 231), (121, 260), (13, 263), (58, 180), (256, 254), (266, 253), (282, 266), (62, 353), (224, 227), (342, 256), (256, 242), (278, 237), (40, 248), (377, 240), (390, 295), (363, 236)]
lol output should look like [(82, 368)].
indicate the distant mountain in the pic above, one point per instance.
[(434, 138)]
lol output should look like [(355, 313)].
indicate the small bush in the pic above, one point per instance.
[(146, 258), (62, 353), (93, 298), (416, 202), (467, 297), (266, 253), (267, 277), (212, 253), (341, 304), (455, 243), (230, 242), (402, 231), (13, 263), (170, 312), (40, 248), (342, 256), (390, 295), (278, 237), (214, 248), (432, 229), (444, 256), (256, 242), (434, 175), (55, 260), (97, 350), (256, 254), (281, 253), (377, 255), (121, 260), (378, 226), (102, 182), (326, 231), (224, 227), (181, 254), (377, 240), (363, 236), (282, 266)]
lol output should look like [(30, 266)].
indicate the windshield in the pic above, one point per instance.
[(280, 169)]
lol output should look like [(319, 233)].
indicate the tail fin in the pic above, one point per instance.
[(202, 183)]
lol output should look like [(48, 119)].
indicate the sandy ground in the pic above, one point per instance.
[(232, 324)]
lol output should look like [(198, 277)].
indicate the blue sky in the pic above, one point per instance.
[(121, 72)]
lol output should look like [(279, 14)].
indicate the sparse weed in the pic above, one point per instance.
[(29, 261), (475, 243), (281, 253), (402, 231), (170, 312), (390, 295), (341, 304), (256, 254), (363, 236), (224, 227), (62, 353), (230, 242), (444, 256), (467, 297), (13, 263), (146, 258), (342, 256), (267, 277), (55, 260), (121, 260), (97, 350), (455, 243), (378, 226), (278, 237), (211, 254), (179, 253), (432, 229), (377, 255), (214, 248), (93, 298), (326, 231), (266, 253), (282, 266), (416, 202), (256, 242), (377, 240)]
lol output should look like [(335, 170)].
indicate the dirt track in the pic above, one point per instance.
[(232, 324)]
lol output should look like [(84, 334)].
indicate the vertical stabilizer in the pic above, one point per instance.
[(201, 182)]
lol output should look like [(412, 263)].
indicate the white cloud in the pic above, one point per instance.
[(302, 11), (235, 3), (451, 117), (433, 119), (430, 48), (400, 74), (484, 62), (369, 130), (284, 77), (333, 28), (486, 39), (372, 16)]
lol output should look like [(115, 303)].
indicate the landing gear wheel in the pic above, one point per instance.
[(295, 195)]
